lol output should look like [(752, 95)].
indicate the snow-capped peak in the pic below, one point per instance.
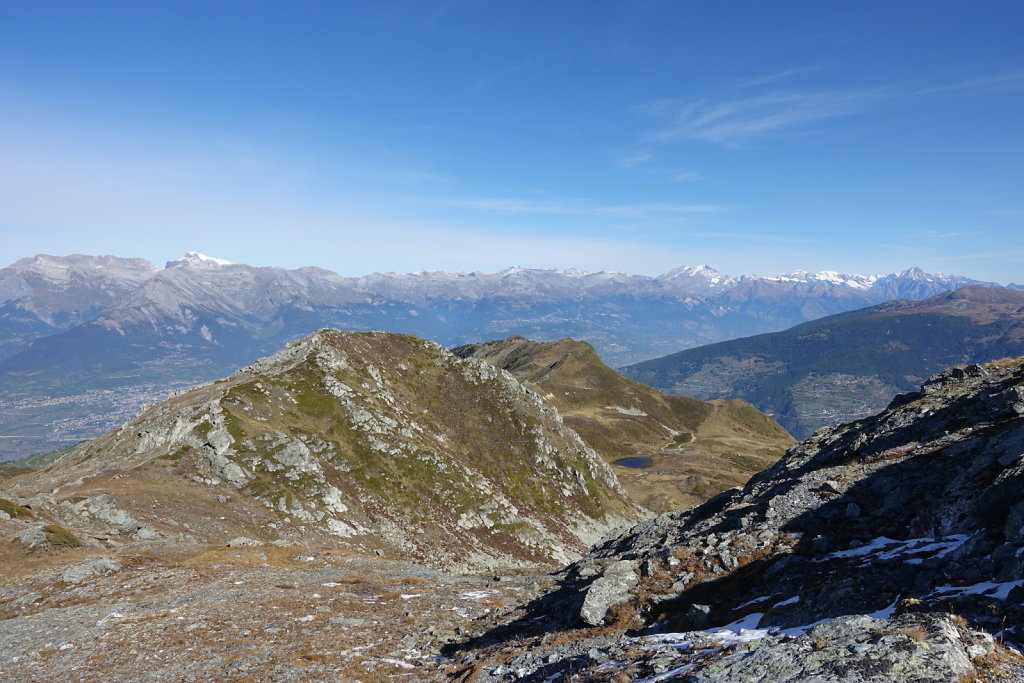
[(194, 258), (700, 279), (833, 277)]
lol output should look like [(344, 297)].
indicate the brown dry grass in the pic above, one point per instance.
[(892, 453), (249, 556), (998, 665), (917, 633)]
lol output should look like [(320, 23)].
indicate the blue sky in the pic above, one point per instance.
[(636, 136)]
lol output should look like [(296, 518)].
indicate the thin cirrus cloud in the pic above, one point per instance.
[(777, 76), (736, 121), (649, 211)]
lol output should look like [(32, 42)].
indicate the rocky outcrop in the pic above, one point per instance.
[(861, 529)]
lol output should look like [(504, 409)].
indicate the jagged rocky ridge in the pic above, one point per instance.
[(375, 442), (889, 548)]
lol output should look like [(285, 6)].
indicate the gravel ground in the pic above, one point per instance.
[(197, 613)]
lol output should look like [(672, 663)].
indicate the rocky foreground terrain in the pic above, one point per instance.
[(888, 549)]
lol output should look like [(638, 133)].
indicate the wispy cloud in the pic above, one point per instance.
[(784, 75), (739, 117), (1008, 81), (574, 207), (635, 158), (736, 121), (997, 255), (687, 177), (1014, 213)]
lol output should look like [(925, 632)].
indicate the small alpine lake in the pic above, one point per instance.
[(635, 463)]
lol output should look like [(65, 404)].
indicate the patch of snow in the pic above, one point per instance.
[(748, 603), (475, 595), (669, 675), (791, 601), (399, 662), (887, 611), (884, 548), (999, 591), (196, 258), (740, 631), (678, 640), (800, 630)]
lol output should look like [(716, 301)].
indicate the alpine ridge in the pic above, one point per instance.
[(669, 452), (373, 442)]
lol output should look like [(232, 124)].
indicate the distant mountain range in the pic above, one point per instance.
[(844, 367), (84, 340)]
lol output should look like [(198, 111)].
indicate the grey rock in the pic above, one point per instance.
[(611, 588), (147, 533), (243, 541), (32, 537), (852, 649), (87, 570)]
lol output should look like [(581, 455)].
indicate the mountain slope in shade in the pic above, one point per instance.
[(683, 450), (372, 442), (847, 366)]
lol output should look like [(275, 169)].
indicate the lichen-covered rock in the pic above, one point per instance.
[(853, 649), (32, 537)]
